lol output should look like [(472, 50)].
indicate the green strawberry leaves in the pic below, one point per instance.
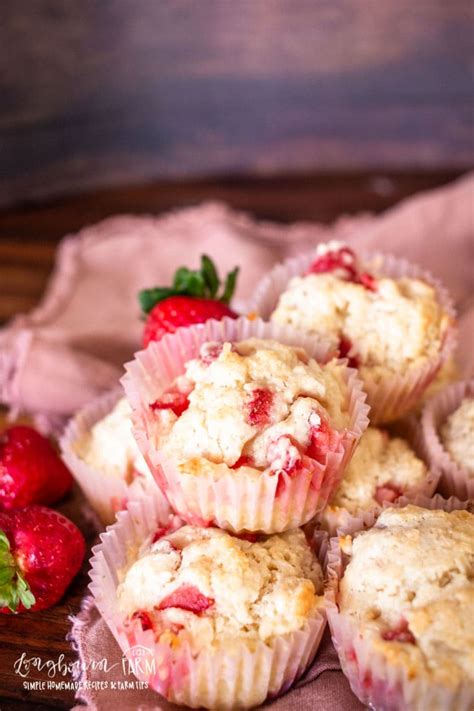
[(13, 587), (202, 283)]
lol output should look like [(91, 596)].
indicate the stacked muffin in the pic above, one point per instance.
[(254, 428), (247, 429)]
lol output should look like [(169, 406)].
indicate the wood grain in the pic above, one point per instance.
[(113, 93)]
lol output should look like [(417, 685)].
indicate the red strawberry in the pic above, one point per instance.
[(259, 407), (187, 597), (192, 299), (40, 553), (171, 400), (343, 261), (345, 347), (144, 618), (245, 460), (31, 472), (388, 492), (399, 634), (323, 439)]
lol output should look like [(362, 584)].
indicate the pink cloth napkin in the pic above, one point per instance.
[(73, 345)]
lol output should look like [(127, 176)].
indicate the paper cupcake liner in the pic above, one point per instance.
[(455, 480), (376, 682), (106, 494), (339, 521), (247, 501), (221, 678), (397, 395)]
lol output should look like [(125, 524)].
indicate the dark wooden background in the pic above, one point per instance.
[(111, 92)]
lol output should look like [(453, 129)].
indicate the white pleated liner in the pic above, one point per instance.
[(397, 396), (338, 521), (106, 494), (455, 479), (377, 683), (221, 678), (236, 501)]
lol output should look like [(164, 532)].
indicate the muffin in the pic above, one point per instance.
[(99, 448), (382, 469), (223, 621), (405, 604), (251, 435), (457, 435), (447, 426), (110, 447), (392, 321)]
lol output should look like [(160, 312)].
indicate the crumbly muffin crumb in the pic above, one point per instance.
[(110, 447), (381, 469)]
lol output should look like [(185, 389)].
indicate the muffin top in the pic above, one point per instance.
[(382, 324), (410, 586), (457, 435), (110, 447), (256, 405), (381, 469), (208, 587)]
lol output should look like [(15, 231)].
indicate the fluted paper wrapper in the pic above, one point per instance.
[(398, 394), (237, 501), (455, 479), (106, 494), (337, 520), (230, 677), (376, 682)]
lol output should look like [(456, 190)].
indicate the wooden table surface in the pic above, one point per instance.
[(28, 238)]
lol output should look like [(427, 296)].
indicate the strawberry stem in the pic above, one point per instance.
[(201, 283), (13, 587)]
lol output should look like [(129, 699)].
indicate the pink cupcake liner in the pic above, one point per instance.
[(338, 521), (398, 395), (106, 494), (216, 678), (375, 681), (455, 479), (247, 501)]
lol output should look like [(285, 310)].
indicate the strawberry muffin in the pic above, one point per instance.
[(457, 435), (99, 447), (447, 426), (391, 325), (405, 604), (382, 469), (252, 436), (110, 446), (223, 621)]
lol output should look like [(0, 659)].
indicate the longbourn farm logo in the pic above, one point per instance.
[(96, 674)]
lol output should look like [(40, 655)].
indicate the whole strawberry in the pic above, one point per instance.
[(193, 298), (31, 472), (40, 553)]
